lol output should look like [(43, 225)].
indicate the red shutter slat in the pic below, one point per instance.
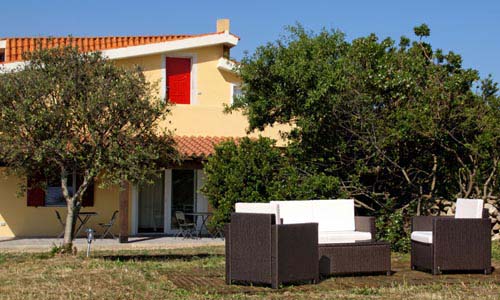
[(35, 193), (179, 80), (88, 196)]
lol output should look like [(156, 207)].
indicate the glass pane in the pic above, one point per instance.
[(54, 195), (151, 206), (53, 192), (183, 196)]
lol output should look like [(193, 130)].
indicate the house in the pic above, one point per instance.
[(196, 74)]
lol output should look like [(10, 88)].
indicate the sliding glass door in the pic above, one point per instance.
[(183, 194), (154, 205), (151, 206)]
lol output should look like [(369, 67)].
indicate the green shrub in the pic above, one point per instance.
[(255, 170), (495, 252), (391, 228)]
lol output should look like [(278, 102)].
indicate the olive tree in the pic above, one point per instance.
[(64, 111)]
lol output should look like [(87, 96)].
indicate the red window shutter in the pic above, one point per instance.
[(179, 80), (88, 196), (35, 193)]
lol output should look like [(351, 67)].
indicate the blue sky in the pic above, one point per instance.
[(470, 28)]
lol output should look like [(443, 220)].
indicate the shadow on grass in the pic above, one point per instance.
[(456, 272), (144, 238), (360, 274), (159, 257)]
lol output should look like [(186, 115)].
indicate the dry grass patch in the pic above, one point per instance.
[(199, 274)]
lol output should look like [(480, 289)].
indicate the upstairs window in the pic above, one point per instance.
[(236, 91)]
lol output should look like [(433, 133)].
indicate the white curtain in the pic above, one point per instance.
[(152, 205)]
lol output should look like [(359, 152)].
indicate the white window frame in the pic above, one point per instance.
[(231, 91)]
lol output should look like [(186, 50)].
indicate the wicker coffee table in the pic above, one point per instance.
[(357, 257)]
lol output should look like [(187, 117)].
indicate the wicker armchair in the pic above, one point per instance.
[(460, 243), (260, 251)]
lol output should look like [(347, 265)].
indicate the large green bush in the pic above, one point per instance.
[(398, 122), (393, 124), (255, 170)]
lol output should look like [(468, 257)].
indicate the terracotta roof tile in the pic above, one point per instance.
[(199, 146), (15, 46)]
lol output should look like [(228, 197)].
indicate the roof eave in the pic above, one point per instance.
[(156, 48), (188, 43)]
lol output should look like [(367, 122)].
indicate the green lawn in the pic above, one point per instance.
[(199, 274)]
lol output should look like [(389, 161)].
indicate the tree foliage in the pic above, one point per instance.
[(257, 171), (65, 110), (399, 124)]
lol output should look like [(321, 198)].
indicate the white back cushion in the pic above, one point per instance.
[(295, 211), (334, 215), (469, 209), (258, 208)]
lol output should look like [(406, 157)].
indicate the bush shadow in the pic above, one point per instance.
[(159, 257)]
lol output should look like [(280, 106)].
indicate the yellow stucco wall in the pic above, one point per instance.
[(213, 88), (203, 117), (20, 220)]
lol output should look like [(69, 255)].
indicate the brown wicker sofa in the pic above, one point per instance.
[(260, 251), (278, 242), (447, 243)]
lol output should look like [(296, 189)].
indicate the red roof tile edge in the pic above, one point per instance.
[(16, 46), (199, 146)]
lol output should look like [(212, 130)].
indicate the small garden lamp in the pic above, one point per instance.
[(90, 238)]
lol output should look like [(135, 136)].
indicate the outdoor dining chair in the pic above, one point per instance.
[(107, 226), (185, 228), (63, 224)]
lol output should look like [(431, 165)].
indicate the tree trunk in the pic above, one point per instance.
[(69, 230), (72, 209), (73, 203)]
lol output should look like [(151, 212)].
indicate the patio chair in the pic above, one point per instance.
[(63, 224), (260, 250), (447, 243), (107, 226), (186, 229)]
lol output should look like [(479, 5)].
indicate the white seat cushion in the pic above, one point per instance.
[(469, 209), (422, 236), (334, 215), (334, 237), (258, 208), (295, 212)]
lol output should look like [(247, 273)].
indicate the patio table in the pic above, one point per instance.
[(84, 217), (352, 258), (204, 217)]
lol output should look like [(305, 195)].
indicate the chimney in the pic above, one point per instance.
[(223, 25)]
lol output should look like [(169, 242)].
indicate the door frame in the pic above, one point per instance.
[(193, 86), (134, 224), (167, 197)]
